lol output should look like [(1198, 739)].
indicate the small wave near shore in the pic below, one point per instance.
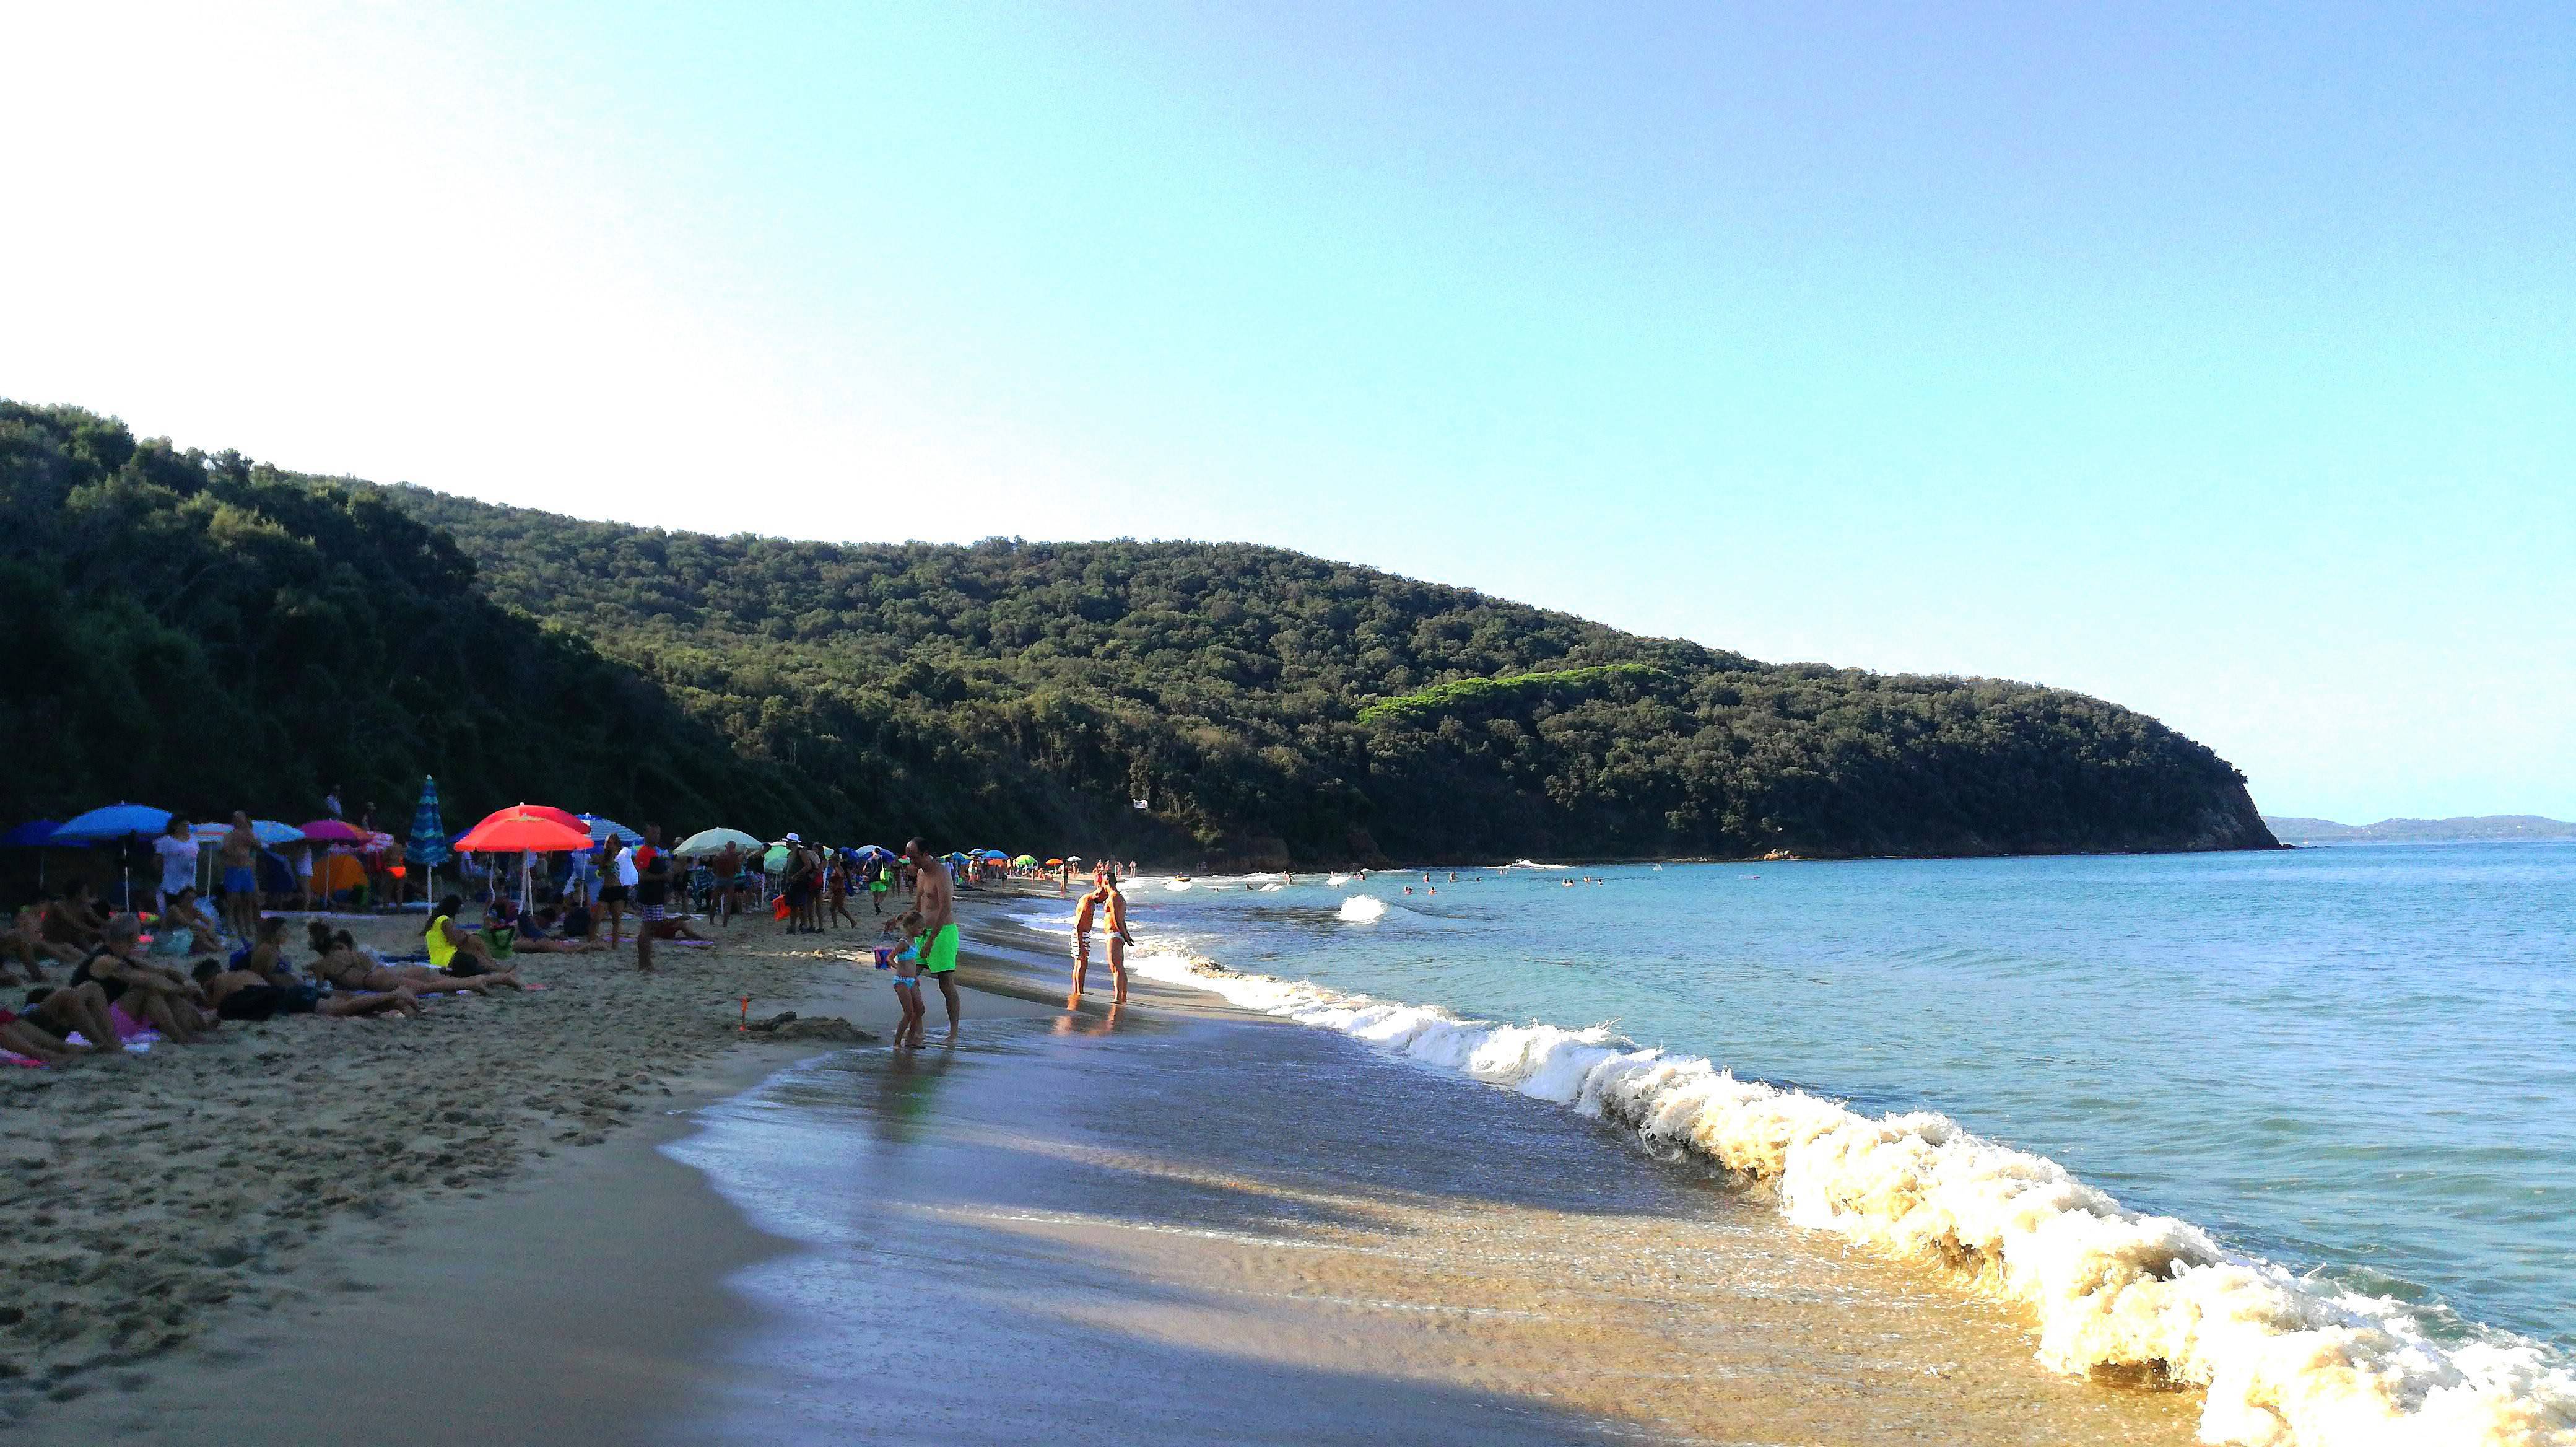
[(2283, 1362)]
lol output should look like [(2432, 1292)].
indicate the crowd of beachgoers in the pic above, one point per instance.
[(199, 947)]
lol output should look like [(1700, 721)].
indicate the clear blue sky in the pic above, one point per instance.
[(2222, 363)]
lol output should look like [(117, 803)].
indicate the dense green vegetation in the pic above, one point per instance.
[(1424, 708), (221, 629)]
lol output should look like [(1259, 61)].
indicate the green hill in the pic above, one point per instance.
[(217, 631)]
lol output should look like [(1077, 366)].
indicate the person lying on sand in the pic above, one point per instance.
[(534, 931), (242, 995), (342, 966), (677, 927), (25, 1037), (163, 999)]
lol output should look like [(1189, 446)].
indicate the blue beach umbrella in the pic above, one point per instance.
[(114, 822), (609, 829), (428, 844), (32, 835), (273, 833), (108, 825)]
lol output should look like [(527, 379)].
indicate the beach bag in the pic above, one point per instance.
[(778, 907)]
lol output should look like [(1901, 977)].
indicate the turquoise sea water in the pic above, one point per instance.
[(2359, 1063)]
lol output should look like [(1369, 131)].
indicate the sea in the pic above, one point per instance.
[(2296, 1125)]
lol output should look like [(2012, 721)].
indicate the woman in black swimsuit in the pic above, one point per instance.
[(162, 999)]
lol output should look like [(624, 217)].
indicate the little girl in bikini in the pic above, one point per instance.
[(904, 958)]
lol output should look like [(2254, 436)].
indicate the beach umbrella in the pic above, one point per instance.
[(110, 824), (428, 846), (713, 841), (273, 833), (1052, 863), (32, 835), (333, 831), (995, 854), (608, 829), (1025, 861), (523, 831), (564, 817)]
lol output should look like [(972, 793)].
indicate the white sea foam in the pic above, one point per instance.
[(1178, 884), (1360, 909), (1338, 879), (2282, 1362)]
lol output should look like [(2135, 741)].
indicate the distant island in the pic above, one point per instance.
[(2291, 829), (206, 632)]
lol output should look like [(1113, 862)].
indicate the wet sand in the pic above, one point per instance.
[(1218, 1231), (1184, 1228)]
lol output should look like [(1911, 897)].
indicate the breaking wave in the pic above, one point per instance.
[(1360, 909), (2283, 1362)]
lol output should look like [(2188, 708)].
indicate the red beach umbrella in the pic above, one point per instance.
[(523, 828), (527, 827), (565, 817)]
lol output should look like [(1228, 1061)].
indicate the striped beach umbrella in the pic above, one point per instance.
[(428, 846)]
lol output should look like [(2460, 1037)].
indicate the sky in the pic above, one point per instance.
[(2220, 362)]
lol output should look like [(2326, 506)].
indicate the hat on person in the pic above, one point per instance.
[(792, 839)]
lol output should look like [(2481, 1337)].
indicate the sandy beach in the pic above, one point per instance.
[(596, 1214)]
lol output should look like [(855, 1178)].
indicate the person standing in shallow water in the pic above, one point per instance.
[(1115, 917), (1091, 900), (936, 898)]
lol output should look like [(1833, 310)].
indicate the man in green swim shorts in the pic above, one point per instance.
[(880, 872), (936, 898)]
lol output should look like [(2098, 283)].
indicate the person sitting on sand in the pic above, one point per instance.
[(73, 921), (24, 941), (184, 928), (243, 995), (63, 1011), (163, 999), (266, 957), (453, 951)]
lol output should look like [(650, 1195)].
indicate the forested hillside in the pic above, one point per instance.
[(1268, 706)]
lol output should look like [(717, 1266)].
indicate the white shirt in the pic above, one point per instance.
[(178, 863), (627, 874)]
